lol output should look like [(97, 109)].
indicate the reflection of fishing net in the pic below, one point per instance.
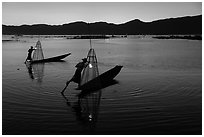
[(38, 52), (38, 71), (90, 106), (91, 70)]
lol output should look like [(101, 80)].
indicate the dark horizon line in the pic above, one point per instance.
[(102, 22)]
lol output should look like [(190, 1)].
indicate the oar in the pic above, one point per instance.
[(67, 83), (67, 101), (64, 89)]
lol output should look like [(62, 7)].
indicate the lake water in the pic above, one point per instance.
[(159, 89)]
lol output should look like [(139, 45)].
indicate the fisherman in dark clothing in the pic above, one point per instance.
[(77, 75), (30, 53)]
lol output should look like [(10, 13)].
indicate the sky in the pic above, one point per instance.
[(58, 13)]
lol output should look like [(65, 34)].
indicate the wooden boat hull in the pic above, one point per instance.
[(52, 59), (112, 82), (101, 80)]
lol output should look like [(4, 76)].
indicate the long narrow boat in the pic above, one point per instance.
[(38, 56), (98, 88), (102, 79), (52, 59)]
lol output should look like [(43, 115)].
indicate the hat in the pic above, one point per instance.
[(84, 59)]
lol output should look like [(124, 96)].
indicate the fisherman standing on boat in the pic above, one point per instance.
[(77, 75), (30, 53)]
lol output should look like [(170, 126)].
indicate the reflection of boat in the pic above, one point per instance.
[(38, 56), (35, 71)]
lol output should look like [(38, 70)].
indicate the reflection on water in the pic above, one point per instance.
[(160, 90), (36, 71), (86, 109)]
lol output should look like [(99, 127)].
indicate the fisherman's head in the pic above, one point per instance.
[(31, 47), (84, 59)]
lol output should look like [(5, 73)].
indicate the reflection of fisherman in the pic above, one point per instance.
[(77, 75), (76, 107), (35, 71), (30, 53), (82, 114), (30, 71)]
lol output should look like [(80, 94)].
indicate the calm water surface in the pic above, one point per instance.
[(159, 89)]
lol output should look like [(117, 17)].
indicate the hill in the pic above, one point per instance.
[(182, 25)]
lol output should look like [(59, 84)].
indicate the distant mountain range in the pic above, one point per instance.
[(182, 25)]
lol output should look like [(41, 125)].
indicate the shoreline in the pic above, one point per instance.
[(188, 37)]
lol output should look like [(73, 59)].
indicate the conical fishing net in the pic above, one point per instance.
[(91, 70), (38, 52), (90, 103)]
